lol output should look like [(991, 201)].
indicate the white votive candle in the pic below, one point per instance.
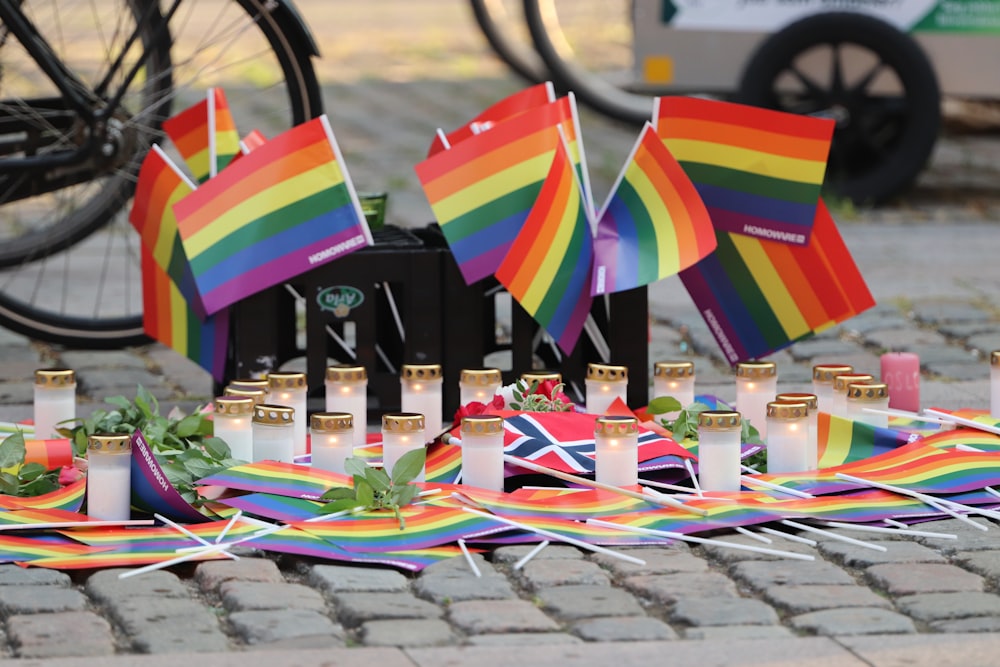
[(347, 391), (259, 396), (332, 440), (273, 433), (873, 395), (232, 423), (719, 433), (616, 444), (605, 384), (838, 403), (674, 379), (292, 390), (420, 393), (812, 419), (787, 437), (109, 477), (55, 400), (822, 384), (478, 385), (253, 384), (540, 376), (402, 432), (995, 384), (482, 451), (756, 386)]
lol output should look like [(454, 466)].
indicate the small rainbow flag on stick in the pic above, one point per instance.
[(282, 209), (653, 225), (205, 135), (548, 266), (759, 296), (758, 171)]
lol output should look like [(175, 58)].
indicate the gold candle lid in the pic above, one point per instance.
[(607, 373), (841, 381), (234, 406), (250, 383), (421, 372), (719, 420), (286, 381), (811, 400), (616, 426), (403, 422), (756, 369), (110, 443), (482, 425), (55, 377), (331, 422), (995, 358), (542, 376), (824, 373), (346, 373), (480, 377), (867, 392), (787, 411), (258, 395), (273, 415), (673, 369)]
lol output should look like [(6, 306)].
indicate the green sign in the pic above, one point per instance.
[(340, 299)]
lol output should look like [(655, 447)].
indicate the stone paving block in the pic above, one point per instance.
[(256, 595), (264, 626), (523, 640), (547, 573), (723, 611), (353, 609), (577, 602), (971, 369), (852, 555), (667, 589), (426, 632), (105, 587), (985, 563), (974, 624), (760, 575), (728, 555), (512, 554), (986, 342), (969, 330), (942, 606), (809, 349), (345, 579), (923, 578), (62, 634), (933, 354), (39, 600), (17, 392), (624, 629), (659, 560), (853, 621), (80, 360), (169, 625), (800, 599), (904, 340), (447, 586), (932, 312), (477, 617), (14, 575), (737, 632), (211, 574)]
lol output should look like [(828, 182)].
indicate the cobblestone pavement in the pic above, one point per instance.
[(933, 599)]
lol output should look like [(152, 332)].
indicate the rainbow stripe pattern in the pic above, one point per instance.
[(282, 209), (759, 296), (758, 171), (68, 498), (653, 225), (843, 441), (205, 135), (548, 267)]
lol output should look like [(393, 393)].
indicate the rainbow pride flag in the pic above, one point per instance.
[(758, 171), (168, 317), (845, 440), (653, 224), (548, 266), (528, 98), (482, 189), (759, 296), (205, 135), (284, 208)]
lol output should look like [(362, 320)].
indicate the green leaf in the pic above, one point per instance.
[(39, 485), (142, 394), (30, 471), (355, 467), (662, 404), (119, 401), (216, 447), (8, 484), (404, 495), (188, 426), (12, 450), (199, 468), (378, 479), (409, 466), (338, 493), (364, 492), (339, 505), (176, 473)]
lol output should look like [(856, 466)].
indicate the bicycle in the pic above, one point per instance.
[(84, 88)]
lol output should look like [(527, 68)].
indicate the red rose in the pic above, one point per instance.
[(477, 408)]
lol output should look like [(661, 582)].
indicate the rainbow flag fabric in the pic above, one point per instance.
[(282, 209), (758, 171), (482, 189), (548, 267), (759, 296), (205, 135), (653, 225)]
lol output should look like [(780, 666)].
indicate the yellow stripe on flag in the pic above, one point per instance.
[(743, 159)]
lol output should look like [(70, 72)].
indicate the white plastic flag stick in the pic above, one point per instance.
[(833, 536), (184, 531), (889, 531), (669, 487), (962, 421), (924, 498), (967, 448), (754, 536), (93, 523), (894, 412), (750, 480), (694, 478), (787, 536), (700, 540), (993, 492), (557, 537), (468, 559), (531, 554), (228, 526)]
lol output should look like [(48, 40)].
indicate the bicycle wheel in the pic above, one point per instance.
[(587, 47), (499, 23), (88, 293)]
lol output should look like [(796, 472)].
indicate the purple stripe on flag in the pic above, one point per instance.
[(740, 223), (479, 254), (761, 206), (607, 249), (712, 312)]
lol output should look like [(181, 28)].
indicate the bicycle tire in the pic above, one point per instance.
[(495, 23), (41, 296), (557, 53)]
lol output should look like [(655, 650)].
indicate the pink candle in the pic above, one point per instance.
[(901, 372)]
